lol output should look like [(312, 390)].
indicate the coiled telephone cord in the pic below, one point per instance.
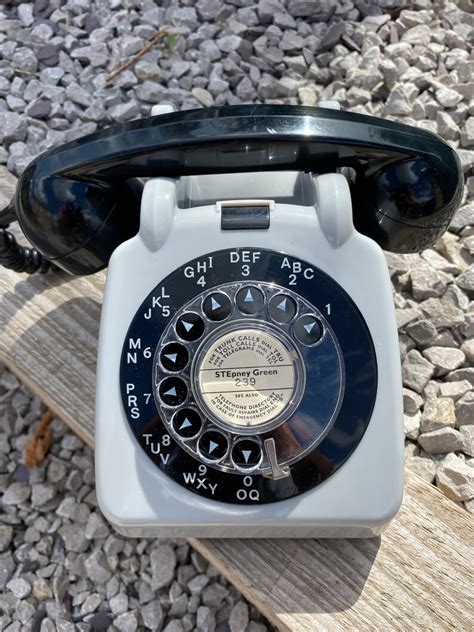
[(14, 256)]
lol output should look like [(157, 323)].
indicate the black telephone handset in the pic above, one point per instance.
[(78, 202)]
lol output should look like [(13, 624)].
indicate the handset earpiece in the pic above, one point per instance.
[(409, 203), (77, 203), (77, 223)]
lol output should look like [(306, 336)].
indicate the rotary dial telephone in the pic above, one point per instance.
[(248, 377)]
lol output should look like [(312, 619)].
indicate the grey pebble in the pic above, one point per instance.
[(25, 61), (6, 536), (464, 216), (65, 626), (424, 466), (48, 55), (416, 371), (97, 568), (214, 595), (60, 585), (42, 493), (91, 603), (56, 471), (422, 331), (176, 626), (455, 478), (467, 434), (466, 279), (179, 606), (96, 527), (96, 55), (239, 617), (465, 373), (197, 584), (203, 96), (411, 424), (118, 604), (150, 92), (7, 566), (442, 315), (332, 36), (47, 625), (447, 98), (426, 282), (16, 493), (185, 16), (438, 413), (126, 622), (467, 131), (25, 13), (12, 127), (446, 126), (74, 537), (455, 390), (152, 614), (444, 359), (78, 95), (205, 619), (25, 611), (441, 441), (163, 563), (19, 587)]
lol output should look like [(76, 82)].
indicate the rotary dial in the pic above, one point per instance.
[(235, 381)]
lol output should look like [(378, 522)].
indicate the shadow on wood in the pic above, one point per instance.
[(327, 575)]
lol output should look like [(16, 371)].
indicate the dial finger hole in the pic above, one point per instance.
[(217, 306), (250, 300), (172, 391), (187, 423), (174, 357), (282, 308), (213, 445), (190, 327), (308, 330), (246, 454)]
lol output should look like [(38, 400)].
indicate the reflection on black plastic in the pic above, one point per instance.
[(78, 202)]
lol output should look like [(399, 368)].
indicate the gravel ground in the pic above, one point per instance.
[(63, 568), (60, 565)]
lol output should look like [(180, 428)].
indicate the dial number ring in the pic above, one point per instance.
[(310, 369)]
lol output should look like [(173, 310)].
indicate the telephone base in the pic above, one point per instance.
[(259, 369)]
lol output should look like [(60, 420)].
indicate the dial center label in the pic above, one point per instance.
[(247, 377)]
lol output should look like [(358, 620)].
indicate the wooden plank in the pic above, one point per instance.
[(417, 576), (49, 331)]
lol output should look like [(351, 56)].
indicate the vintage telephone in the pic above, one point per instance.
[(248, 370)]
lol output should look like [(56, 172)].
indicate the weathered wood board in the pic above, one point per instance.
[(416, 577)]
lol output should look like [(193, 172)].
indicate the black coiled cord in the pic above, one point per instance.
[(19, 258), (12, 254)]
